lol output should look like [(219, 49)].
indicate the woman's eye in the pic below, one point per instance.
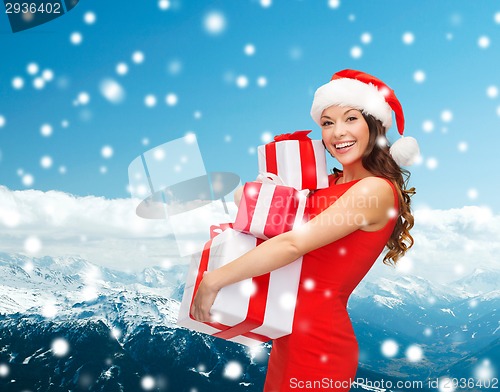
[(351, 118), (326, 123)]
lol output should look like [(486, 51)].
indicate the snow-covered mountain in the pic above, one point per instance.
[(138, 311)]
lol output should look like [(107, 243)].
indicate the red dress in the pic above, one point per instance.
[(322, 352)]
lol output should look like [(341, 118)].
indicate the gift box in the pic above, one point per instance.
[(248, 312), (298, 160), (267, 208)]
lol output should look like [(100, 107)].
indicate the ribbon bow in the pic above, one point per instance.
[(297, 135)]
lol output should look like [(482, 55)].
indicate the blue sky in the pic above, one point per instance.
[(297, 45)]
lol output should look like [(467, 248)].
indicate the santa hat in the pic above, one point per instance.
[(372, 96)]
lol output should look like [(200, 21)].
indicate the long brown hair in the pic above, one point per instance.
[(379, 161)]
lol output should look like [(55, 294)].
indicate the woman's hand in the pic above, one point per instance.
[(204, 299)]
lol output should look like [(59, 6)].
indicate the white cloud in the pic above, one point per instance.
[(445, 239), (105, 232), (108, 232)]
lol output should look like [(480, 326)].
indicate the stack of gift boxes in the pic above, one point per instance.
[(259, 309)]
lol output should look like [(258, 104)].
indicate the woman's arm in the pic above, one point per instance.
[(366, 203)]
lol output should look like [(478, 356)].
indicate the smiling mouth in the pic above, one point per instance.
[(343, 145)]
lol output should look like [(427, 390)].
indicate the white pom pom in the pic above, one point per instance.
[(405, 151)]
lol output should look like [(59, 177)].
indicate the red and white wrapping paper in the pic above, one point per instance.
[(251, 311), (298, 160), (267, 208)]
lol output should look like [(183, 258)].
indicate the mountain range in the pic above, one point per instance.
[(121, 331)]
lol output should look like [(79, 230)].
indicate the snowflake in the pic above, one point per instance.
[(48, 75), (233, 370), (419, 76), (32, 245), (39, 83), (4, 370), (76, 38), (249, 49), (389, 348), (60, 347), (171, 99), (17, 82), (445, 384), (214, 23), (265, 3), (83, 98), (262, 81), (414, 353), (112, 90), (428, 126), (147, 383), (492, 91), (138, 57), (150, 100), (164, 5), (462, 146), (89, 17), (366, 38), (446, 115), (472, 193), (121, 68), (309, 284), (356, 52), (408, 38), (32, 68), (334, 3), (46, 162), (242, 81), (107, 152), (483, 42)]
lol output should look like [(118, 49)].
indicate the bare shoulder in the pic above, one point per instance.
[(373, 186)]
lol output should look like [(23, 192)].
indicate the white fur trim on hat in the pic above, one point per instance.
[(405, 151), (351, 92)]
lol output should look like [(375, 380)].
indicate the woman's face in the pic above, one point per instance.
[(345, 133)]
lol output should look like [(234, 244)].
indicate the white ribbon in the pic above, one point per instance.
[(269, 178)]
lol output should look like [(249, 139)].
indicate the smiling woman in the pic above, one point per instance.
[(365, 208)]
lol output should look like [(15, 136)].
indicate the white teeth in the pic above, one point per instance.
[(344, 145)]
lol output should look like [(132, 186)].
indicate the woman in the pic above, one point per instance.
[(365, 208)]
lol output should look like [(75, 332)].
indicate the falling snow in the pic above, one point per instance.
[(492, 91), (89, 17), (164, 5), (138, 57), (483, 42), (249, 49), (121, 68), (446, 116), (408, 38), (60, 347), (214, 23), (414, 353), (112, 91), (389, 348), (76, 38), (366, 38), (419, 76), (356, 52), (233, 370), (107, 152), (428, 126), (334, 3), (171, 99), (17, 82), (150, 100)]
